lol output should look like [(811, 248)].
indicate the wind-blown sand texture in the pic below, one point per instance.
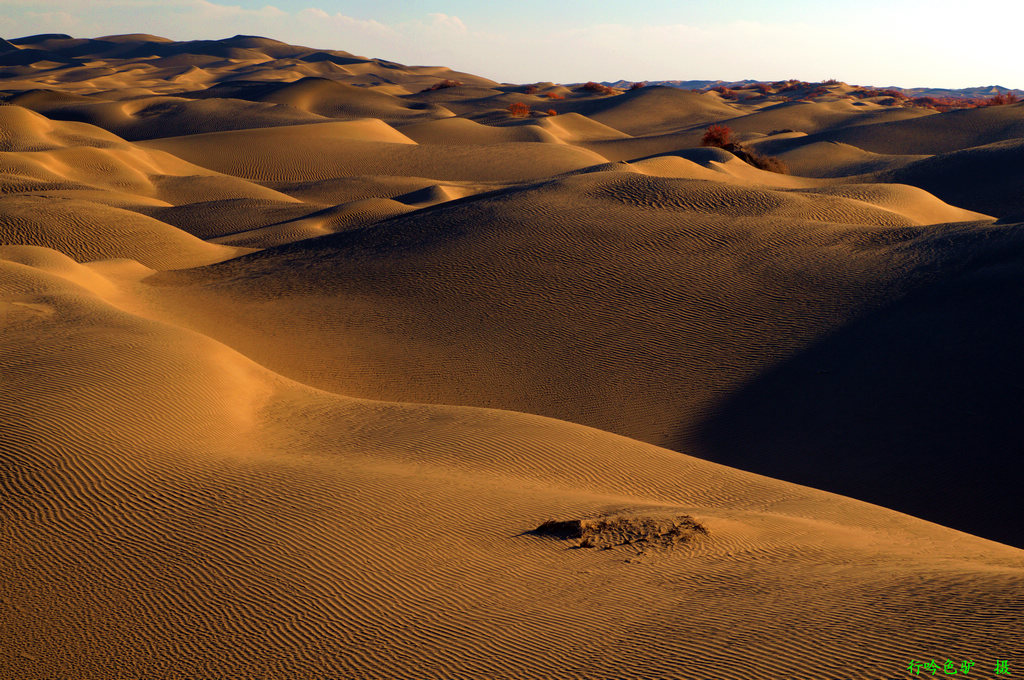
[(309, 371)]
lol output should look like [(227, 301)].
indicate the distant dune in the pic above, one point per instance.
[(324, 366)]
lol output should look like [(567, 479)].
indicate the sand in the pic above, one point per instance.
[(310, 373)]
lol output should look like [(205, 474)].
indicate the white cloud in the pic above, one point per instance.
[(448, 22)]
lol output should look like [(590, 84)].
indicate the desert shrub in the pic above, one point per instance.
[(725, 92), (640, 531), (446, 83), (769, 163), (1001, 99), (894, 94), (637, 86), (555, 95), (830, 81), (591, 86), (531, 89), (519, 109), (943, 104), (721, 137), (761, 87), (717, 135), (552, 112)]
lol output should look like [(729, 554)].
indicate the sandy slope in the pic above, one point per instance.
[(232, 522), (325, 458)]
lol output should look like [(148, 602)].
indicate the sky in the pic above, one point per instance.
[(906, 43)]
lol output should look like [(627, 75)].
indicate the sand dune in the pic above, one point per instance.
[(572, 127), (263, 490), (150, 117), (330, 150), (328, 98), (834, 159), (24, 130), (934, 134), (328, 221), (720, 283), (317, 365), (811, 117), (210, 219), (463, 131), (988, 178), (655, 109), (88, 231)]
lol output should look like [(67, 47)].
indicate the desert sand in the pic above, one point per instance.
[(299, 351)]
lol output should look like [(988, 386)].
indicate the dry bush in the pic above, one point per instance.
[(769, 163), (555, 95), (531, 89), (598, 87), (943, 104), (717, 135), (721, 137), (446, 83), (519, 109), (637, 86), (725, 92), (552, 112), (642, 531), (1001, 99)]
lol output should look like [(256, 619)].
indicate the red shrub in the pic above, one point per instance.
[(598, 87), (943, 104), (769, 163), (442, 85), (1000, 99), (717, 135), (552, 112), (637, 86), (895, 94), (762, 88), (725, 92), (531, 89), (519, 109), (926, 102), (554, 95), (721, 136)]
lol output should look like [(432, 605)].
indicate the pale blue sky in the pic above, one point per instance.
[(909, 43)]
